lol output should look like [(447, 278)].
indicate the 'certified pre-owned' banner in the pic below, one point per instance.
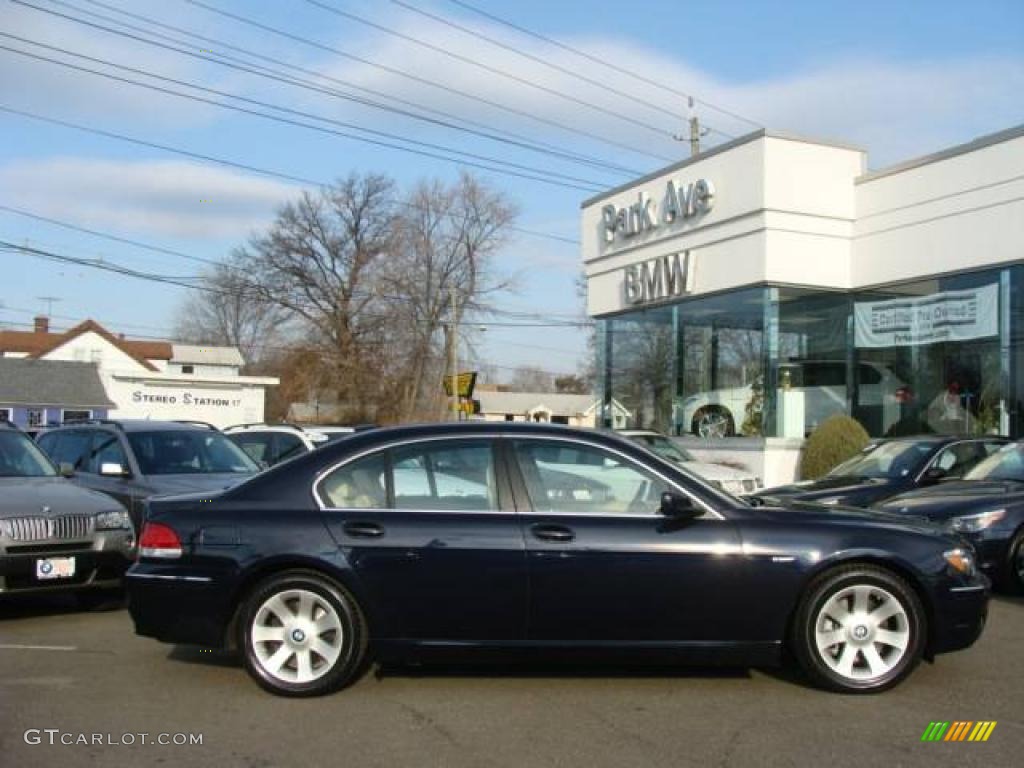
[(949, 316)]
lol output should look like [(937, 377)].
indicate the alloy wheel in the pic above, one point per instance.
[(297, 636), (713, 424), (862, 632)]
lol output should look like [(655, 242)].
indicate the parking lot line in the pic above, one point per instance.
[(15, 647)]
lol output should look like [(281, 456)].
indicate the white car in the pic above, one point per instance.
[(719, 412), (270, 444), (734, 481)]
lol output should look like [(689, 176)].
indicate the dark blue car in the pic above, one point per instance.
[(892, 466), (502, 539), (986, 507)]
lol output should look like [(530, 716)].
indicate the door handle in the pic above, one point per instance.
[(363, 530), (552, 532)]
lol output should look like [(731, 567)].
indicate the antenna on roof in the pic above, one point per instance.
[(49, 303)]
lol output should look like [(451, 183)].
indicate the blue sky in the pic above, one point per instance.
[(901, 79)]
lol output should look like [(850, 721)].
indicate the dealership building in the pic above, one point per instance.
[(749, 292), (140, 379)]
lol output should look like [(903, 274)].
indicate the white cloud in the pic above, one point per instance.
[(157, 198), (895, 108), (42, 86)]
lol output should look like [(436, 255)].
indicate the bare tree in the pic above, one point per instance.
[(447, 236), (224, 312), (528, 378), (319, 262)]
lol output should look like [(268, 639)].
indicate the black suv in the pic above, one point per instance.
[(132, 460)]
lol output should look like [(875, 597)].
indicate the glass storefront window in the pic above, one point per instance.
[(942, 355), (936, 344), (692, 367)]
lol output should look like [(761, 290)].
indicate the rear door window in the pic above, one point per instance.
[(447, 475)]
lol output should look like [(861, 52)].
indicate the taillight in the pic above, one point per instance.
[(904, 395), (159, 540)]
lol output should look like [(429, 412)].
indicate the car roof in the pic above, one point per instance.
[(935, 439), (135, 425)]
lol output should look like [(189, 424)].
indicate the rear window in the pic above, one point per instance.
[(188, 452)]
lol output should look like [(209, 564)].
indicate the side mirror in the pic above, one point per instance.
[(65, 470), (678, 506), (113, 469), (934, 474)]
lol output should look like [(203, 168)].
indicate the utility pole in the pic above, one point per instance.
[(453, 354), (694, 130)]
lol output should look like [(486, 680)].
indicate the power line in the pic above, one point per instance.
[(574, 129), (277, 76), (488, 68), (113, 267), (525, 172), (604, 86), (219, 161), (597, 60)]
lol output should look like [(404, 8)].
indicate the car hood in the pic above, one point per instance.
[(173, 485), (785, 509), (715, 471), (945, 500), (859, 489), (51, 496)]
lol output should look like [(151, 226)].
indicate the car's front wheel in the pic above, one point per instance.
[(1012, 577), (859, 629), (713, 421), (302, 635)]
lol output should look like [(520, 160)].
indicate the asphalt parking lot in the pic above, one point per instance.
[(87, 673)]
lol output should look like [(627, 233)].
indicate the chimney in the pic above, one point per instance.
[(42, 324)]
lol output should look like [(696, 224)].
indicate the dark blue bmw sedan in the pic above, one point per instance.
[(479, 539)]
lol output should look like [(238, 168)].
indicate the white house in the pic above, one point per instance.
[(150, 379)]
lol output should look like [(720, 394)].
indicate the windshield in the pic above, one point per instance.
[(20, 457), (665, 448), (188, 452), (885, 460), (1004, 464)]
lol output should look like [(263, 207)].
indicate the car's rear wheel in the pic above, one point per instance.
[(302, 635), (713, 421), (859, 629)]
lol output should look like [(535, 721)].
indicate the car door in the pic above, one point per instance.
[(431, 532), (107, 448), (605, 566)]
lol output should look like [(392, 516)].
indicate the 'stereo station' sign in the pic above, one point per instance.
[(682, 201)]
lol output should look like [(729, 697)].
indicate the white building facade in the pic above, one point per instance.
[(747, 293), (152, 380)]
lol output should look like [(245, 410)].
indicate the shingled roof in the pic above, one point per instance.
[(51, 382), (37, 344)]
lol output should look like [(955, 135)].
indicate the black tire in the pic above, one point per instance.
[(878, 585), (1011, 577), (730, 422), (350, 640)]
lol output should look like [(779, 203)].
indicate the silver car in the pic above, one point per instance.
[(55, 535)]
